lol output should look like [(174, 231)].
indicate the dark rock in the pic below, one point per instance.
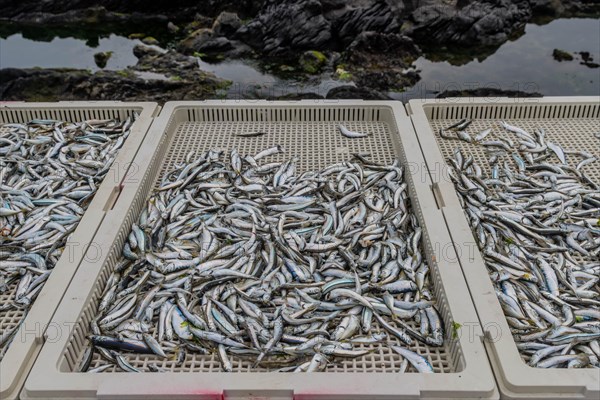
[(88, 16), (149, 40), (586, 56), (206, 42), (484, 22), (382, 61), (194, 40), (226, 24), (39, 84), (566, 8), (386, 80), (487, 92), (167, 63), (561, 55), (199, 22), (350, 18), (239, 50), (282, 27), (171, 27), (546, 7), (178, 10), (374, 49), (312, 61), (144, 51), (102, 58), (68, 84), (298, 96), (590, 64), (352, 92), (215, 45), (174, 66)]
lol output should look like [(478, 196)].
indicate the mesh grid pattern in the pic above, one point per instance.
[(572, 134), (316, 144), (23, 115), (381, 359), (9, 319)]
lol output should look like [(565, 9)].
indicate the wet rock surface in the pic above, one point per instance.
[(588, 60), (102, 58), (181, 79), (91, 15), (64, 84), (178, 9), (485, 22), (561, 55), (312, 61), (284, 26), (487, 92), (351, 18), (352, 92), (207, 43), (226, 24), (370, 43), (392, 71)]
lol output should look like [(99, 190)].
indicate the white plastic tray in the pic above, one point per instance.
[(28, 341), (307, 129), (568, 121)]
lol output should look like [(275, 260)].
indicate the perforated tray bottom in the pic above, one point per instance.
[(304, 140), (9, 319), (570, 134), (381, 359)]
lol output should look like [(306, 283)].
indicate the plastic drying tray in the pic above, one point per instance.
[(35, 327), (307, 130), (567, 121)]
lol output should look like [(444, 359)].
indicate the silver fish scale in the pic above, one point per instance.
[(218, 135), (10, 319), (568, 133)]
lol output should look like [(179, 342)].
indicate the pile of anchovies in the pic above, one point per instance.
[(246, 259), (536, 219), (49, 172)]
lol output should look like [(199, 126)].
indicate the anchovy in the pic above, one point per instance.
[(49, 173), (350, 134), (541, 250), (230, 260)]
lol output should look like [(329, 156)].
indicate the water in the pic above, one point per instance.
[(19, 52), (524, 64), (249, 80)]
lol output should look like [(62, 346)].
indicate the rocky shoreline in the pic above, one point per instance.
[(347, 38)]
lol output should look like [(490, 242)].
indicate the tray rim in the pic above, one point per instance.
[(476, 379), (23, 353), (515, 378)]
